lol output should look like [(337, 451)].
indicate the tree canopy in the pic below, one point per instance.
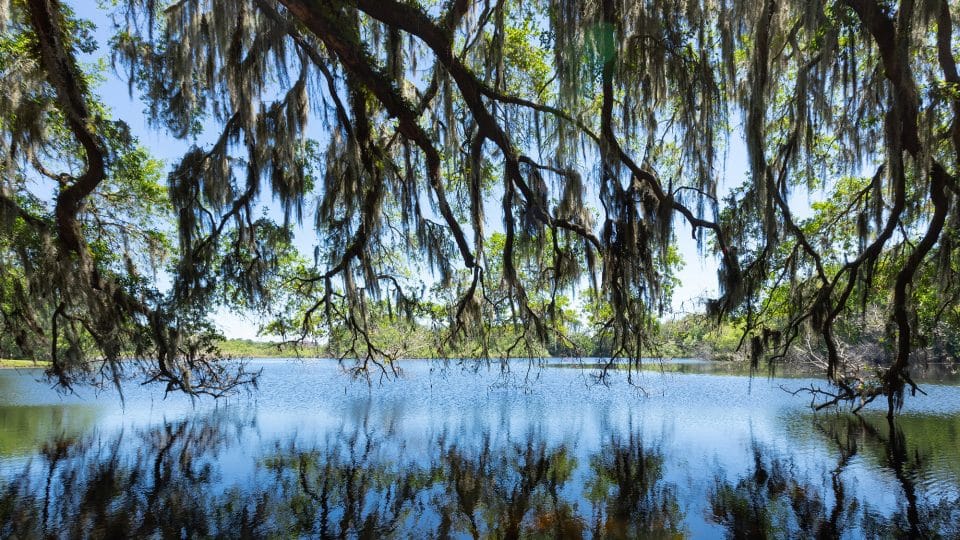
[(514, 151)]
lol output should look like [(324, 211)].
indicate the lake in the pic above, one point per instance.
[(473, 450)]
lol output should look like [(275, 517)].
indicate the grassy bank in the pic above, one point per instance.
[(6, 363)]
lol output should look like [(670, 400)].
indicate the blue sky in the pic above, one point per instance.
[(698, 277)]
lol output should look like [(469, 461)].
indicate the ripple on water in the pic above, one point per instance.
[(664, 451)]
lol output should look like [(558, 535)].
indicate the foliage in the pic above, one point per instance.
[(697, 336), (248, 348), (86, 223)]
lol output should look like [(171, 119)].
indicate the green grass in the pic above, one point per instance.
[(6, 363), (236, 348)]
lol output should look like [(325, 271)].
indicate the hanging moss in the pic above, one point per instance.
[(598, 126)]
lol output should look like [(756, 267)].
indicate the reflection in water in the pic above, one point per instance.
[(774, 500), (24, 428), (507, 494), (919, 516), (628, 493), (457, 455), (169, 486), (90, 487), (771, 502), (169, 481)]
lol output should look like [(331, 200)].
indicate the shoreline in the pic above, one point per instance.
[(9, 363)]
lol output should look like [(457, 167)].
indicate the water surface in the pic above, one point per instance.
[(445, 451)]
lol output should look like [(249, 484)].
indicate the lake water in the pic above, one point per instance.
[(448, 451)]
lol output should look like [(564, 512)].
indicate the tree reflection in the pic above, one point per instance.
[(168, 481), (25, 427), (629, 496), (919, 516), (770, 502), (187, 479), (343, 489), (773, 500), (90, 487)]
